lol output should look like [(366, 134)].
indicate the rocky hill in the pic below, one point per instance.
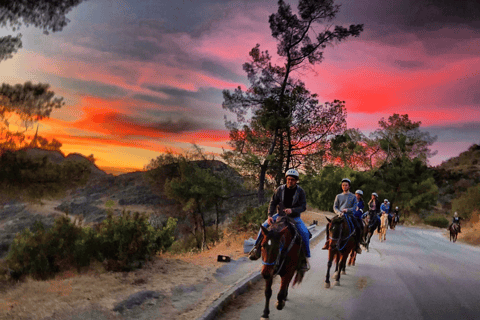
[(133, 191), (456, 175)]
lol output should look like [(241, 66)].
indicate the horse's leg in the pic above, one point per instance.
[(329, 265), (282, 294), (268, 295), (336, 276)]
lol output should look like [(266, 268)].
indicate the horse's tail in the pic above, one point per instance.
[(299, 277)]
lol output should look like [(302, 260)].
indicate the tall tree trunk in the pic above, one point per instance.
[(263, 170)]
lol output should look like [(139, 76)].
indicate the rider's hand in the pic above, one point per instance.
[(288, 211), (270, 220)]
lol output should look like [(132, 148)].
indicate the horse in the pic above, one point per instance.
[(282, 254), (371, 224), (341, 244), (382, 235), (393, 222), (453, 231)]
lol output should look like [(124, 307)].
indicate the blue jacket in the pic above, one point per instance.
[(385, 207), (358, 212)]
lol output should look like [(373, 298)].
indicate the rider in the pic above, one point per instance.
[(374, 209), (345, 203), (358, 212), (291, 197), (396, 215), (385, 207), (456, 219)]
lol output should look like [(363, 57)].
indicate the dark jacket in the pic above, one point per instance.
[(299, 202)]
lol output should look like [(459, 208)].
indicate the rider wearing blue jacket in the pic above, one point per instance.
[(385, 207)]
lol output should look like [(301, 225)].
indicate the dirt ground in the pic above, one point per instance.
[(71, 292)]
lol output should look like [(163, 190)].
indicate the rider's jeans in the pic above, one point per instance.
[(301, 227)]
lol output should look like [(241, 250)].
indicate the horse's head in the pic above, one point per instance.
[(336, 228), (274, 239)]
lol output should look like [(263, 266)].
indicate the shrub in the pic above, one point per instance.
[(250, 219), (437, 221), (130, 240), (124, 240)]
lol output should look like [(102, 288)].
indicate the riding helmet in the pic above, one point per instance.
[(359, 192), (346, 180), (292, 173)]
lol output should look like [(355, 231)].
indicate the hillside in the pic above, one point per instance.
[(133, 192), (456, 175)]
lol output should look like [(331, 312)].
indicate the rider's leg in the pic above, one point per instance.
[(302, 229), (255, 253), (357, 235)]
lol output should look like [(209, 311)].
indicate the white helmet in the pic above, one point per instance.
[(396, 208), (359, 192), (375, 194), (386, 200), (346, 180), (292, 173), (456, 214)]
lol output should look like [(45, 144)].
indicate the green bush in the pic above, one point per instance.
[(437, 221), (251, 218), (126, 240)]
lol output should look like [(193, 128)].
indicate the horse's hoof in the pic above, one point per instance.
[(280, 305), (343, 272), (327, 285), (336, 283), (263, 318), (336, 274)]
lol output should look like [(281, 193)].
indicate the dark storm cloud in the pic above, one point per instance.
[(180, 96), (92, 88), (169, 125), (439, 24), (456, 132)]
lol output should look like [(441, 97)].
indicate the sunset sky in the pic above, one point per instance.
[(143, 76)]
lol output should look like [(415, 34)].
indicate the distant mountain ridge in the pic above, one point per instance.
[(58, 157)]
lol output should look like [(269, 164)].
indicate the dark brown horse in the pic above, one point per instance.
[(393, 222), (371, 223), (282, 255), (341, 243), (453, 231)]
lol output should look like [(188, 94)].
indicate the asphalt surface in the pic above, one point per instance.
[(416, 274)]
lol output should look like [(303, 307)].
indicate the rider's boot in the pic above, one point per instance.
[(255, 253), (306, 265)]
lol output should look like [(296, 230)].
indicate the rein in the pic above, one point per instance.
[(339, 239), (279, 261)]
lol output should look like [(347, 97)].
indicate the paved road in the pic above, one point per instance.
[(415, 274)]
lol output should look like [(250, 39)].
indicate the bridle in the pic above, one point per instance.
[(339, 239), (279, 261)]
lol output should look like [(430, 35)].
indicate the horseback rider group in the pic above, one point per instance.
[(290, 200)]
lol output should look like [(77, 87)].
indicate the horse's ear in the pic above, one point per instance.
[(264, 230), (328, 219)]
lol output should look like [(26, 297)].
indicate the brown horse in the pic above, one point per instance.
[(341, 243), (393, 222), (453, 231), (282, 255), (371, 223)]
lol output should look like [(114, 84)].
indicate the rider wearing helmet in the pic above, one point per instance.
[(456, 219), (291, 201), (374, 209), (396, 215), (385, 207), (345, 203)]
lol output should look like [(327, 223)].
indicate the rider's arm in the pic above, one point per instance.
[(276, 198), (336, 206)]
